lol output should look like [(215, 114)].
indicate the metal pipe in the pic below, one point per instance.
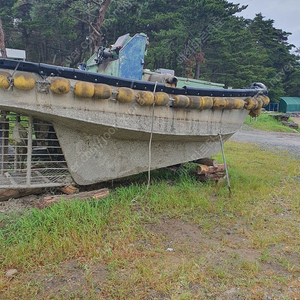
[(2, 147), (224, 160), (29, 151)]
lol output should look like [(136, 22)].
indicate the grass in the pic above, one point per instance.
[(245, 246), (266, 122)]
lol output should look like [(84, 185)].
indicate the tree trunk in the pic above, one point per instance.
[(95, 25), (185, 56), (2, 42), (197, 71), (199, 58), (103, 6)]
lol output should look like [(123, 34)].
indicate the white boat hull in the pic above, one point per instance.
[(108, 139), (105, 139)]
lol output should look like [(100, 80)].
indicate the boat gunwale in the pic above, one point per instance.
[(45, 70)]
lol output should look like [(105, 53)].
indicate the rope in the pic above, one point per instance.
[(12, 75), (17, 66), (150, 141)]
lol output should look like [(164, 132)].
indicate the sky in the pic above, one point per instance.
[(285, 13)]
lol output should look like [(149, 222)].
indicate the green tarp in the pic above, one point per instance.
[(289, 104)]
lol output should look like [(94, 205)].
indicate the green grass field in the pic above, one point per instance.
[(266, 122), (181, 239)]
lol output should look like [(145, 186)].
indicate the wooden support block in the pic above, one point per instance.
[(69, 190), (206, 161), (210, 169), (217, 177)]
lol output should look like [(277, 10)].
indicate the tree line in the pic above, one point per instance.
[(201, 39)]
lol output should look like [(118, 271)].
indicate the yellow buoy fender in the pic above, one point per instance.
[(145, 98), (161, 99), (125, 95), (239, 103), (4, 83), (102, 91), (230, 103), (251, 103), (60, 85), (260, 103), (206, 103), (195, 102), (84, 89), (255, 113), (181, 101), (219, 103), (265, 100), (24, 81)]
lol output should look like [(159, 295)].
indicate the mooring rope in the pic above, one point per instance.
[(12, 75), (150, 141)]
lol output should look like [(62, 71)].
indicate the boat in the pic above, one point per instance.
[(59, 124)]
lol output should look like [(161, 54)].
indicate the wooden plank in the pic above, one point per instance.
[(97, 194), (6, 194)]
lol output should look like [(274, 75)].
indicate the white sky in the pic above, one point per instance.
[(285, 13)]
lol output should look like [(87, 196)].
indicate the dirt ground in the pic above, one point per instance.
[(71, 276), (297, 120)]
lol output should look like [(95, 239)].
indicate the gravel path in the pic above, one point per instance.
[(269, 140)]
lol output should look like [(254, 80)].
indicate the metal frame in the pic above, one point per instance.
[(30, 153)]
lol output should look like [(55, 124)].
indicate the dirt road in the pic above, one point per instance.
[(297, 120), (269, 140)]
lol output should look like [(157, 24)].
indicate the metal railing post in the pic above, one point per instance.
[(29, 151)]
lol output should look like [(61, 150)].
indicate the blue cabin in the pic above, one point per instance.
[(123, 59)]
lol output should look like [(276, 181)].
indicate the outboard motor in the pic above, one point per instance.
[(259, 86)]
